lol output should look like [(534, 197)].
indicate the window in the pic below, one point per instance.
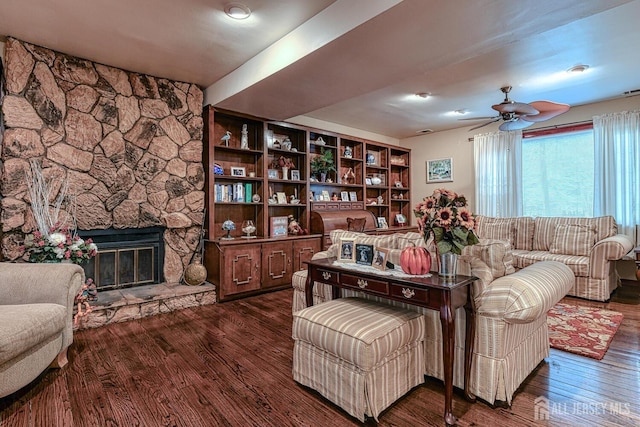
[(558, 172)]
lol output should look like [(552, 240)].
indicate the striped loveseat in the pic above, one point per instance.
[(589, 246), (511, 334)]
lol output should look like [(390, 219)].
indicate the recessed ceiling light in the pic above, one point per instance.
[(237, 11), (423, 94), (580, 68)]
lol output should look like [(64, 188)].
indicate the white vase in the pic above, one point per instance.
[(285, 172)]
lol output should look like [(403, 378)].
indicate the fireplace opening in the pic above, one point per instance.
[(126, 257)]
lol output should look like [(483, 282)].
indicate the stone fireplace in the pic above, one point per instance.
[(129, 145)]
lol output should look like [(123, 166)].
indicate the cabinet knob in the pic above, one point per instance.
[(326, 275), (408, 293), (362, 283)]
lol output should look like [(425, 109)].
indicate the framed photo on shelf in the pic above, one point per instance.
[(272, 174), (440, 170), (344, 196), (347, 250), (325, 195), (353, 196), (380, 257), (367, 181), (364, 254), (382, 222), (295, 175), (282, 197), (238, 171), (278, 226), (401, 219)]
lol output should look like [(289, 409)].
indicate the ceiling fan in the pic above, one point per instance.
[(518, 115)]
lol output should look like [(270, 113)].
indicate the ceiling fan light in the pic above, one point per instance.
[(580, 68), (237, 11)]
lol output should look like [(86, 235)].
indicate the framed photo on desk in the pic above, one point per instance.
[(347, 250)]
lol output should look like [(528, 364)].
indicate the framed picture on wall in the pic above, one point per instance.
[(440, 170)]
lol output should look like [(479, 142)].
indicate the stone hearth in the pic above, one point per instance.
[(121, 305)]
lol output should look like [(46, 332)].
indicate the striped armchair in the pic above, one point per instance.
[(589, 246), (511, 331)]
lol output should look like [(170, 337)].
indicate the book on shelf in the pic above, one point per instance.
[(226, 193), (248, 192)]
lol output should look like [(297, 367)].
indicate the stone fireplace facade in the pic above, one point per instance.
[(128, 144)]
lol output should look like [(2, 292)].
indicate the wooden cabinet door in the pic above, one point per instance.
[(303, 250), (241, 270), (276, 264)]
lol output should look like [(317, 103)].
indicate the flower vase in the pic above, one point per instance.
[(448, 264), (323, 177), (285, 172)]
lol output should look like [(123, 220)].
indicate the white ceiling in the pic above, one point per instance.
[(355, 62)]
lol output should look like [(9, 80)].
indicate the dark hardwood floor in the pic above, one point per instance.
[(229, 364)]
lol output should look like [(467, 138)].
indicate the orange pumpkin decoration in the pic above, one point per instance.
[(415, 260)]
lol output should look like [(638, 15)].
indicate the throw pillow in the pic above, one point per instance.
[(356, 224), (498, 229), (496, 254), (573, 239)]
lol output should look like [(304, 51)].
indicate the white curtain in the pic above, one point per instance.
[(498, 170), (617, 169)]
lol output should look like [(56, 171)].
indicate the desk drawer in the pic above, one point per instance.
[(370, 285), (329, 277), (408, 293)]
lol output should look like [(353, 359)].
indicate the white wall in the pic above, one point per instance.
[(455, 143)]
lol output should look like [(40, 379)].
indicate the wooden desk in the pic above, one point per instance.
[(431, 292)]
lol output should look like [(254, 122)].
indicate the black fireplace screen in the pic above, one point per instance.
[(129, 257)]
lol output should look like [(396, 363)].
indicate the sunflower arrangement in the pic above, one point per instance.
[(445, 216)]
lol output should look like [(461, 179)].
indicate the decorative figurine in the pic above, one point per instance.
[(225, 138), (244, 140), (347, 152)]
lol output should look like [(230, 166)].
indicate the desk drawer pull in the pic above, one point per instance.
[(326, 275), (362, 283), (408, 293)]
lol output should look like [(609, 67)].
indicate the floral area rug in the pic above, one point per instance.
[(582, 330)]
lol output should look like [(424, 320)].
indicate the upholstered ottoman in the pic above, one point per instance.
[(360, 354)]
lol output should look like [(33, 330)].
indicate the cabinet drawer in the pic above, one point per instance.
[(407, 293), (373, 286), (333, 206), (329, 277), (358, 205)]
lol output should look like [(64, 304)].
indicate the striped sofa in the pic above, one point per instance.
[(589, 246), (511, 334)]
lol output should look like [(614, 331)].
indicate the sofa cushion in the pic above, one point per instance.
[(578, 264), (23, 326), (499, 229), (573, 239), (495, 253), (545, 227)]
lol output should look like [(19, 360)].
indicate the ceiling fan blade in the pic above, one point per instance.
[(481, 118), (514, 107), (495, 119), (514, 125), (547, 110)]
